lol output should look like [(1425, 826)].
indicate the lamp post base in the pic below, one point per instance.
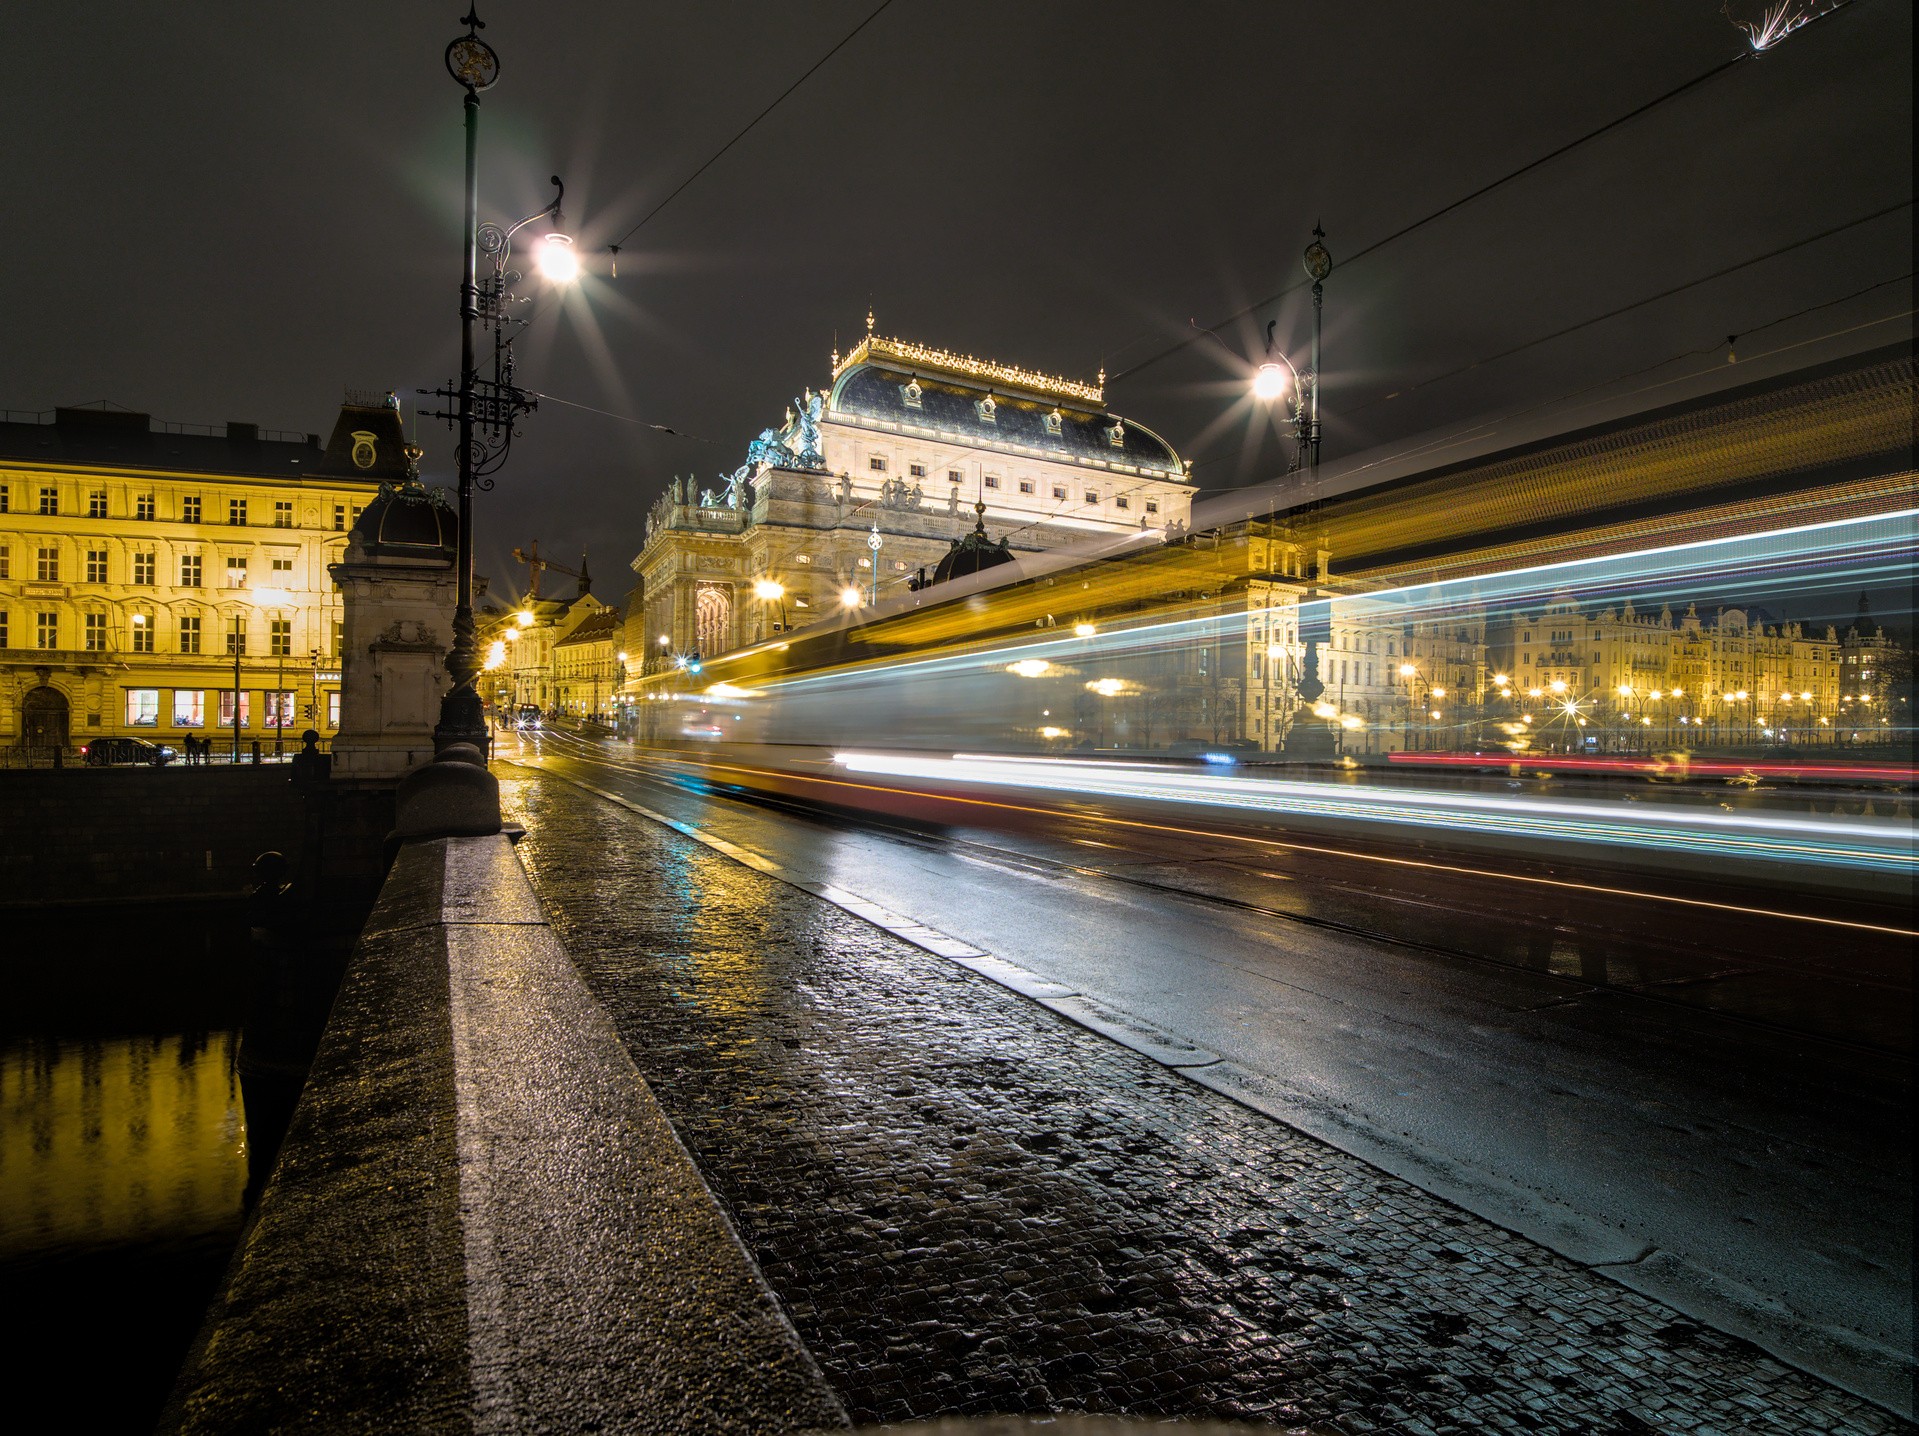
[(462, 720)]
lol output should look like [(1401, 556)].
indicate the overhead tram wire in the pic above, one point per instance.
[(1697, 80), (1638, 304), (750, 124)]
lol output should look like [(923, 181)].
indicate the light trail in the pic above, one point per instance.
[(1883, 847), (1266, 845)]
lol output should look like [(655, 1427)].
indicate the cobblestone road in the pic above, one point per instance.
[(969, 1205)]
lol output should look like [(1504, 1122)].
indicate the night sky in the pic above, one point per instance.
[(233, 212)]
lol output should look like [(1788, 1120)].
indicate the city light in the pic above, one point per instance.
[(1084, 630), (558, 261), (771, 590), (1269, 383), (851, 597), (1107, 687), (1030, 668), (525, 619), (1406, 670)]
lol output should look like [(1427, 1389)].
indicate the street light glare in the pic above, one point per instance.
[(1269, 383), (557, 259), (525, 618), (851, 597), (771, 590)]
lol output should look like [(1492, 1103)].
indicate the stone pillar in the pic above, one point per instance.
[(398, 583)]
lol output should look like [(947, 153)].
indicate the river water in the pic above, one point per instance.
[(123, 1156)]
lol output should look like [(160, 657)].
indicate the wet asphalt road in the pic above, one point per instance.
[(1574, 1086)]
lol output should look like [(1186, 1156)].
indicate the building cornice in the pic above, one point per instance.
[(944, 361)]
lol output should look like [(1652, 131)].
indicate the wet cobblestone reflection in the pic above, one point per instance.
[(969, 1205)]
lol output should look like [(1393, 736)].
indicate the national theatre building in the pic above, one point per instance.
[(868, 485)]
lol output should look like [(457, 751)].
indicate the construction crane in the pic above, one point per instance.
[(535, 564)]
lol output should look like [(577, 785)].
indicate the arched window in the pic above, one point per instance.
[(712, 618)]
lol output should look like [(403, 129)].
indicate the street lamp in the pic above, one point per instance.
[(770, 590), (484, 411)]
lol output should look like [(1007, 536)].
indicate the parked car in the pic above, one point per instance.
[(105, 752)]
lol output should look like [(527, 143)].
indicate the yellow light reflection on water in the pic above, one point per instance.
[(104, 1141)]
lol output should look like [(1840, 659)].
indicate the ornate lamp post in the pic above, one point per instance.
[(485, 412)]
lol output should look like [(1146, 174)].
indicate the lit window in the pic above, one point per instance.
[(190, 634), (236, 571), (97, 504), (190, 509), (333, 708), (47, 565), (189, 707), (143, 707), (96, 565), (339, 637), (94, 632), (283, 513), (140, 633), (279, 712), (226, 708)]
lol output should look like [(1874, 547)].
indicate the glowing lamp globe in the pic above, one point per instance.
[(557, 259), (769, 590), (1269, 382)]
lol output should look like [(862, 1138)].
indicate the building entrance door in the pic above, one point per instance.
[(43, 718)]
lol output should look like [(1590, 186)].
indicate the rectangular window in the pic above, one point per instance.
[(339, 637), (283, 513), (95, 629), (283, 565), (47, 565), (992, 481), (1026, 486), (189, 570), (190, 509), (279, 708), (143, 707), (877, 464), (47, 630), (97, 504), (6, 561), (1092, 496), (333, 708), (236, 571), (953, 476), (190, 634), (1121, 502), (189, 708), (96, 565), (339, 518), (236, 639), (1152, 506), (226, 708), (1059, 491), (49, 501), (918, 471), (280, 638), (143, 566), (6, 498), (140, 633), (5, 635), (358, 509), (143, 507), (237, 511)]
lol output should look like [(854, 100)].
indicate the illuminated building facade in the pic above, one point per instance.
[(136, 556), (519, 649), (585, 666), (902, 446)]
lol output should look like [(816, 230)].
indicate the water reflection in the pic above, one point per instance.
[(112, 1141)]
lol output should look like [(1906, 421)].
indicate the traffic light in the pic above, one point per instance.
[(306, 710), (693, 663)]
